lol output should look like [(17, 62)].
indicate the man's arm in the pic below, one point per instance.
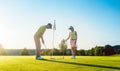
[(41, 36), (42, 39)]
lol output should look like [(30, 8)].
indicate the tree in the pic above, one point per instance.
[(24, 52), (63, 47), (101, 51), (81, 52), (98, 51), (55, 51), (108, 50), (92, 52), (118, 51), (45, 51), (116, 48), (88, 52), (68, 52), (2, 50)]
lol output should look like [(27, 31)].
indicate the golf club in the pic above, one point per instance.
[(45, 48)]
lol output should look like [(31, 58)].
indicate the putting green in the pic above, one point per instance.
[(83, 63)]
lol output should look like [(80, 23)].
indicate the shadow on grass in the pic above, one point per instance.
[(74, 63)]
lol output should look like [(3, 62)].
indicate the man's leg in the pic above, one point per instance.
[(38, 46)]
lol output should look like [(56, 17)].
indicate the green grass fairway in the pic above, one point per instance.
[(82, 63)]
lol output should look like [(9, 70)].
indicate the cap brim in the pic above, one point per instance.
[(69, 28)]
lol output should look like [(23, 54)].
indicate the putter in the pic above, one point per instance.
[(46, 50), (45, 47)]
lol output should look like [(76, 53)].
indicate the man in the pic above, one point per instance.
[(73, 40), (39, 35)]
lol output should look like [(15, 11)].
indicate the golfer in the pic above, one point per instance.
[(39, 35), (73, 39)]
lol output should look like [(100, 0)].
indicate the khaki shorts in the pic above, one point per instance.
[(73, 43)]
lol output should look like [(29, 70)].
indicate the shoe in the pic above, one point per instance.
[(39, 58)]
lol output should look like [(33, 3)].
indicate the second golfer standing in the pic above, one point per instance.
[(73, 40)]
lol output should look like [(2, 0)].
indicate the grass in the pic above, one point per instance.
[(82, 63)]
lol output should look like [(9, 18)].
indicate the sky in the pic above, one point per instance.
[(97, 22)]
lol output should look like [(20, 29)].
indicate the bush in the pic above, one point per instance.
[(2, 50), (24, 52)]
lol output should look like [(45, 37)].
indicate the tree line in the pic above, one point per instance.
[(63, 50), (100, 51)]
